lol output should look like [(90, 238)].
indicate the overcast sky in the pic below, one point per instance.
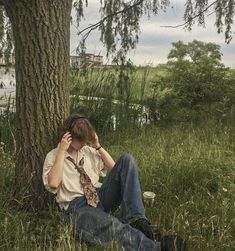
[(155, 41)]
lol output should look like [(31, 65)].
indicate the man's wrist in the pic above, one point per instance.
[(62, 150), (97, 148)]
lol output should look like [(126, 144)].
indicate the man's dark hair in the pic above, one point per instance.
[(79, 127)]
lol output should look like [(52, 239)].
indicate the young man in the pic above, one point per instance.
[(72, 171)]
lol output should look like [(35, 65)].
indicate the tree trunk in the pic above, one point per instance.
[(41, 33)]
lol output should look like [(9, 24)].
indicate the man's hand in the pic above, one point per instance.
[(95, 141), (56, 172), (65, 141)]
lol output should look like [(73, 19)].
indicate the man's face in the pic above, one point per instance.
[(77, 145)]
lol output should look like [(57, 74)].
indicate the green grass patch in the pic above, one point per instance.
[(190, 168)]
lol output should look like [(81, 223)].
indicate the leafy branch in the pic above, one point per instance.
[(189, 21), (92, 27)]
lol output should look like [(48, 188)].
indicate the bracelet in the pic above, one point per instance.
[(98, 148)]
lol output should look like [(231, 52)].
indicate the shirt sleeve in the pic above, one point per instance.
[(48, 163)]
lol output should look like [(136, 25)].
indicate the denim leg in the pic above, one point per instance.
[(122, 186), (96, 226)]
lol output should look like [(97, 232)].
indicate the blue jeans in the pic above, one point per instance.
[(97, 225)]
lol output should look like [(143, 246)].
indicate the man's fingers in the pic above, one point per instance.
[(67, 135), (69, 138)]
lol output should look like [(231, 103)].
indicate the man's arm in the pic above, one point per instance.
[(56, 172), (107, 159), (105, 156)]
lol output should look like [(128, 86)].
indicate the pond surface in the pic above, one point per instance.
[(7, 82)]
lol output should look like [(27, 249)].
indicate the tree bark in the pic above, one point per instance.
[(41, 33)]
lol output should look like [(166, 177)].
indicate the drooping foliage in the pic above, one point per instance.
[(119, 22), (223, 9)]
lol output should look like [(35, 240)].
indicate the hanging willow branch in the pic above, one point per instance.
[(224, 10), (119, 24), (92, 27), (190, 19)]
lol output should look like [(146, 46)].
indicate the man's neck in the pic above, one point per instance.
[(73, 152)]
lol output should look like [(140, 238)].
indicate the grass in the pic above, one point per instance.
[(190, 168), (105, 82)]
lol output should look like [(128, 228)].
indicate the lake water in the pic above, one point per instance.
[(7, 82), (7, 88)]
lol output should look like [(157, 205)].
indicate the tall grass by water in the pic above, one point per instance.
[(190, 168)]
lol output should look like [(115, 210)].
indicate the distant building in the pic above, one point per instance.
[(86, 60), (7, 59)]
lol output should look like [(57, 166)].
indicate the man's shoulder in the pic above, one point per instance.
[(89, 150), (50, 158), (52, 153)]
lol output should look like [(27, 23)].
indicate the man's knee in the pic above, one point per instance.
[(125, 163), (128, 160), (127, 157)]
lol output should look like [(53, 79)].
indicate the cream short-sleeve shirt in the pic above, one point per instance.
[(70, 186)]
